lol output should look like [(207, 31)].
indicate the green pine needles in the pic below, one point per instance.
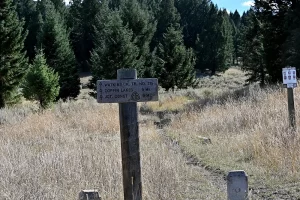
[(13, 64), (175, 63), (115, 50), (41, 83)]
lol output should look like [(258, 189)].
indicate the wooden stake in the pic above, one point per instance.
[(291, 108), (129, 128)]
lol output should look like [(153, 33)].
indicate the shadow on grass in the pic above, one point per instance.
[(236, 95)]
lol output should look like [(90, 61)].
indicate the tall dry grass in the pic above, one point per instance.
[(251, 133), (56, 153), (209, 87)]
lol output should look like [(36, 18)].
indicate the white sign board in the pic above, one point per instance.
[(130, 90), (289, 77)]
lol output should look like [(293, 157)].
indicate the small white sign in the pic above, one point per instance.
[(289, 77)]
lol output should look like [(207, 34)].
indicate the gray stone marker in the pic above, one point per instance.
[(89, 195), (237, 185)]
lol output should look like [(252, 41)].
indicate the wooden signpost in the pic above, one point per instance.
[(290, 82), (127, 91)]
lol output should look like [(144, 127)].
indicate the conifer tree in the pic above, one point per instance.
[(175, 63), (75, 22), (274, 21), (227, 37), (143, 28), (292, 45), (236, 19), (41, 82), (193, 19), (27, 11), (115, 4), (53, 38), (82, 19), (254, 52), (214, 44), (60, 7), (13, 64), (151, 5), (114, 48), (209, 42), (167, 16)]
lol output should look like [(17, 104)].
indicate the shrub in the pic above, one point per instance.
[(41, 83)]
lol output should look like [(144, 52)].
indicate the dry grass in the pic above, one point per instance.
[(215, 86), (76, 145), (251, 134), (56, 153), (209, 87)]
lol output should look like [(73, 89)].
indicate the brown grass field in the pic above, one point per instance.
[(56, 153)]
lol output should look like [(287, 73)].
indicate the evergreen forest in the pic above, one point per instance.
[(47, 43)]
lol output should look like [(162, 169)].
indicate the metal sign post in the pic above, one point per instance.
[(127, 91), (290, 82)]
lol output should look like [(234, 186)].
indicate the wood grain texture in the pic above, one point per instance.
[(129, 128)]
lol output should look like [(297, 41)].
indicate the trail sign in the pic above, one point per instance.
[(290, 81), (127, 90), (289, 77)]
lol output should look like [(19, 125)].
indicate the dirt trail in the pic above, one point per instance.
[(215, 181), (217, 178)]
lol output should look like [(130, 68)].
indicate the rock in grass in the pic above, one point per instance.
[(89, 195), (204, 140)]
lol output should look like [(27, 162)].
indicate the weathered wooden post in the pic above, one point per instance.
[(237, 185), (290, 82), (291, 108), (129, 128), (127, 91)]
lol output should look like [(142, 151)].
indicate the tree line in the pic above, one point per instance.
[(44, 44), (271, 39)]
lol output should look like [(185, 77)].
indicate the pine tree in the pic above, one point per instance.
[(53, 38), (151, 5), (60, 7), (75, 22), (114, 4), (210, 42), (13, 64), (275, 34), (236, 19), (82, 19), (175, 63), (227, 36), (193, 19), (167, 16), (143, 28), (245, 25), (114, 49), (254, 52), (41, 82), (292, 45), (27, 11)]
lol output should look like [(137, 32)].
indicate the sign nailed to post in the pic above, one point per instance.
[(130, 90), (127, 90), (289, 77)]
